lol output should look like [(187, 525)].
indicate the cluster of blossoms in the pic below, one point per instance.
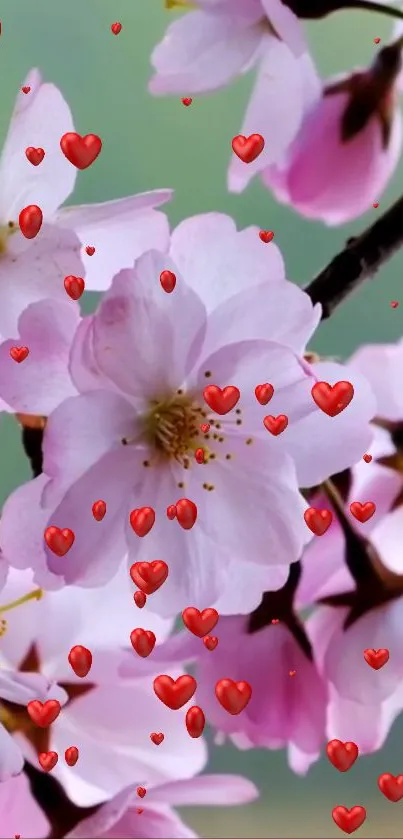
[(117, 400)]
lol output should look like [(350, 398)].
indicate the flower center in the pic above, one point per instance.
[(172, 427), (6, 231), (180, 4)]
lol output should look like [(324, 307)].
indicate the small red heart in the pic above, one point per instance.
[(394, 304), (140, 599), (99, 510), (171, 512), (80, 660), (30, 221), (318, 521), (142, 520), (275, 621), (80, 151), (143, 641), (266, 236), (141, 792), (276, 425), (375, 205), (71, 755), (174, 693), (90, 250), (349, 820), (19, 353), (221, 401), (48, 760), (186, 513), (233, 696), (116, 28), (187, 101), (35, 156), (200, 623), (74, 286), (44, 713), (199, 455), (376, 658), (391, 786), (205, 427), (168, 281), (264, 393), (157, 738), (195, 721), (332, 399), (367, 458), (210, 642), (248, 148), (342, 755), (292, 672), (59, 541), (139, 811), (149, 576), (362, 512), (26, 88), (377, 40)]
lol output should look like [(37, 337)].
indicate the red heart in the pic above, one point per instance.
[(140, 599), (80, 660), (199, 455), (205, 427), (168, 281), (221, 401), (48, 760), (266, 236), (19, 353), (149, 576), (142, 520), (59, 541), (195, 721), (141, 792), (116, 28), (391, 786), (377, 40), (80, 151), (367, 458), (276, 425), (342, 755), (174, 693), (233, 696), (143, 641), (318, 521), (157, 738), (186, 513), (35, 156), (44, 713), (200, 623), (376, 658), (362, 512), (332, 399), (171, 512), (292, 672), (248, 148), (187, 101), (394, 304), (90, 250), (30, 221), (99, 510), (349, 820), (26, 88), (71, 755), (74, 287), (210, 642), (264, 393)]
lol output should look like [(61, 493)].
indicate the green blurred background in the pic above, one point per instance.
[(152, 143)]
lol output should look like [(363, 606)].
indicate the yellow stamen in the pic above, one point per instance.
[(179, 4), (33, 595)]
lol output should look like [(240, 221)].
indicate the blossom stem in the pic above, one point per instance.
[(37, 594), (361, 258)]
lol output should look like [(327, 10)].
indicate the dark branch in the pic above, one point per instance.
[(32, 439), (362, 257)]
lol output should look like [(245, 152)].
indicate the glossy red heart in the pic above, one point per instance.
[(391, 786), (376, 658), (99, 510), (187, 101), (74, 286), (140, 599), (221, 401), (116, 28), (71, 755), (264, 393), (233, 696), (186, 513), (349, 820), (200, 623), (342, 755), (199, 455), (332, 399), (174, 693), (35, 156), (157, 737), (30, 221), (80, 151), (142, 520), (26, 88), (266, 236), (168, 281), (48, 760), (367, 458), (44, 713), (171, 512), (210, 642), (19, 353), (362, 512), (90, 250), (80, 660), (318, 521), (276, 425), (59, 541), (143, 641), (195, 721), (149, 576), (248, 148), (141, 792)]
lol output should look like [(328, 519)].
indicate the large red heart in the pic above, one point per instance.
[(376, 658), (48, 760), (149, 576), (318, 521), (221, 401), (362, 512), (276, 425), (332, 399), (143, 641), (142, 520), (19, 353), (80, 151), (391, 786), (342, 755), (59, 541), (80, 660), (200, 623), (35, 156), (44, 713), (248, 148), (30, 221), (175, 693), (349, 820), (233, 696)]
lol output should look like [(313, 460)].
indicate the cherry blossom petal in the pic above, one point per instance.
[(381, 364), (19, 810)]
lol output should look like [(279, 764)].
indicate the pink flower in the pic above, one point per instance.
[(206, 48), (31, 270), (158, 820), (111, 720), (19, 812), (98, 444), (347, 148)]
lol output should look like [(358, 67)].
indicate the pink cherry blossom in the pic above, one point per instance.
[(19, 812), (31, 270), (236, 333), (111, 723), (158, 820)]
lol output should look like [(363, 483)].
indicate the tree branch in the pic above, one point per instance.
[(362, 257)]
